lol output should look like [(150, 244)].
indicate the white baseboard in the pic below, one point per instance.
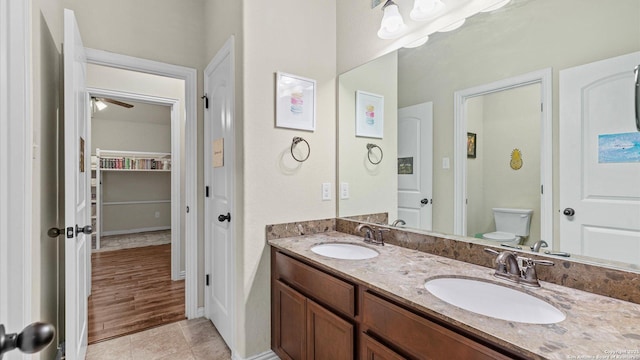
[(267, 355), (134, 231), (182, 275), (200, 312)]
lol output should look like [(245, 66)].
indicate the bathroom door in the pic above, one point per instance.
[(415, 165), (77, 178), (220, 217), (600, 161)]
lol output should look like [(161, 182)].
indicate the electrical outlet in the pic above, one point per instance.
[(445, 163), (326, 191), (157, 214), (344, 190)]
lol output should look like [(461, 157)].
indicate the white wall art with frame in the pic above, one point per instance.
[(369, 114), (295, 102)]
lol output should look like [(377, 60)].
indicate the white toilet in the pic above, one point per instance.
[(511, 225)]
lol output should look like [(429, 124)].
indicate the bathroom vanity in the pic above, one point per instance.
[(378, 308)]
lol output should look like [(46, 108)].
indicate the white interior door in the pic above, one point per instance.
[(219, 169), (415, 165), (599, 175), (77, 155)]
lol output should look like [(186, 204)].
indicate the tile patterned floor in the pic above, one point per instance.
[(195, 339), (127, 241)]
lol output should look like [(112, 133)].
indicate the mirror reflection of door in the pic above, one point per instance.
[(415, 165), (505, 172), (600, 161)]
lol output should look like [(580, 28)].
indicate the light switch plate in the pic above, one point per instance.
[(445, 163), (326, 191), (344, 190)]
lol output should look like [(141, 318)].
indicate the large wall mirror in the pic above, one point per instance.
[(446, 170)]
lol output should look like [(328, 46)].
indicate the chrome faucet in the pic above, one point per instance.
[(517, 269), (539, 244), (398, 222), (372, 235)]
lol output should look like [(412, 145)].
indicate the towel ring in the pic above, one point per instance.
[(296, 140), (369, 148)]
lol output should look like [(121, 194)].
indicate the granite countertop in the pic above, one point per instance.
[(596, 327)]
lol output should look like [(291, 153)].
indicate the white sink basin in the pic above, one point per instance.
[(494, 300), (345, 251)]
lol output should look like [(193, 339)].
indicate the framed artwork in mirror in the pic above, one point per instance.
[(471, 145), (295, 102), (369, 115)]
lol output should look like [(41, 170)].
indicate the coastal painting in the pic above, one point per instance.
[(619, 148)]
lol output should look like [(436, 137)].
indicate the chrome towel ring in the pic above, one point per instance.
[(370, 147), (296, 140)]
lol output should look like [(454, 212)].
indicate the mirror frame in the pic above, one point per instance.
[(542, 77)]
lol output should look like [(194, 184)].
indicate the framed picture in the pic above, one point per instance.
[(369, 114), (295, 102), (471, 145)]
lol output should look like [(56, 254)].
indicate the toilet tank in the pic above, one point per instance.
[(515, 221)]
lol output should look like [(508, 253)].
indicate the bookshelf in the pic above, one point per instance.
[(117, 161)]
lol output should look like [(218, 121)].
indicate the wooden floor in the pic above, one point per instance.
[(132, 291)]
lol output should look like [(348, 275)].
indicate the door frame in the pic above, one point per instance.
[(174, 104), (16, 132), (542, 77), (189, 75)]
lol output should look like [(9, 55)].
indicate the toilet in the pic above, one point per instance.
[(511, 225)]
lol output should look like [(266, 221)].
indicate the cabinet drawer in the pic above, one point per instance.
[(418, 336), (323, 287)]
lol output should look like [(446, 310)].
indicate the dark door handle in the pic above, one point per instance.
[(222, 218), (54, 232), (32, 339), (426, 201), (87, 230), (569, 212)]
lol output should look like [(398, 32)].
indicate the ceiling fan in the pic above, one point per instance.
[(99, 103)]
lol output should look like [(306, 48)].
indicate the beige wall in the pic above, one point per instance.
[(46, 34), (364, 178), (297, 37), (507, 120)]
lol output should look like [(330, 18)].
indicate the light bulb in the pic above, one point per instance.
[(392, 25), (425, 9)]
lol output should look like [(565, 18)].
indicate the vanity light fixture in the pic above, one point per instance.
[(496, 6), (453, 26), (425, 9), (416, 43), (392, 25)]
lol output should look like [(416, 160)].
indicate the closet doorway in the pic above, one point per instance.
[(138, 265)]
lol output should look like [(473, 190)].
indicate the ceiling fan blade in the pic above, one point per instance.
[(116, 102)]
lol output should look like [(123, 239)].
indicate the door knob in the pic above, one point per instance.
[(426, 201), (222, 218), (32, 339), (87, 230), (569, 212), (54, 232)]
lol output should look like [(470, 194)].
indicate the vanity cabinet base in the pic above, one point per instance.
[(315, 314)]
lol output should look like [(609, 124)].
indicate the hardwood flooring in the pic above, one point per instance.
[(132, 291)]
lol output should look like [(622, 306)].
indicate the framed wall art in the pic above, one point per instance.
[(471, 145), (369, 115), (295, 102)]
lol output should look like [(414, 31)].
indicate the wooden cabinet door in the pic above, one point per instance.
[(370, 349), (328, 336), (289, 322)]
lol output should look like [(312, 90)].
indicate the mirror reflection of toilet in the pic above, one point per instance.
[(511, 225)]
